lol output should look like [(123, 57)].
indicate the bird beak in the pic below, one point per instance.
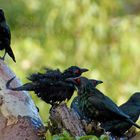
[(96, 82), (99, 81), (72, 80), (84, 70)]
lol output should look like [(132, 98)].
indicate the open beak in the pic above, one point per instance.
[(71, 80), (84, 70)]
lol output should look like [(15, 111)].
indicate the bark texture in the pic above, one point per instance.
[(62, 117), (19, 118)]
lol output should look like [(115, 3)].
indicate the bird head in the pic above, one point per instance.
[(83, 81), (74, 71), (135, 97), (95, 82), (2, 17), (79, 82)]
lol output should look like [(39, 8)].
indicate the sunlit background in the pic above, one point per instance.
[(103, 36)]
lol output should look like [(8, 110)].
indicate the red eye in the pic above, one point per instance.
[(77, 71), (78, 80), (94, 82)]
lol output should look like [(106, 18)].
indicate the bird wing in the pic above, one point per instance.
[(105, 104), (131, 109), (36, 77), (51, 76), (5, 30)]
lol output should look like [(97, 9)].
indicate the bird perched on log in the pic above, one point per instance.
[(96, 105), (51, 85), (75, 103), (5, 37), (131, 108)]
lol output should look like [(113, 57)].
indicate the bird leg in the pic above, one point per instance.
[(93, 128), (4, 55), (131, 132)]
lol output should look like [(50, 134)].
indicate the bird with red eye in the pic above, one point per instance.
[(75, 102), (80, 82), (51, 86), (98, 106), (73, 71)]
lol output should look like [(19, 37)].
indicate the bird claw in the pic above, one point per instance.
[(2, 58), (131, 132)]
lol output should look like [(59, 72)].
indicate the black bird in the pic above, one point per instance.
[(5, 37), (75, 103), (51, 85), (131, 108), (96, 105)]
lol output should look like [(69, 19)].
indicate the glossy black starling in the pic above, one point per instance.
[(131, 108), (51, 85), (5, 37), (96, 105), (75, 103)]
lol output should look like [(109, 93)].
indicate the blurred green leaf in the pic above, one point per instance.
[(104, 137), (88, 137)]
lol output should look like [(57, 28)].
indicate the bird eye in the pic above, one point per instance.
[(78, 80), (77, 71)]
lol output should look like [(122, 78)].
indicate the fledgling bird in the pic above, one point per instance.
[(5, 37), (96, 105), (51, 85), (131, 108), (75, 103)]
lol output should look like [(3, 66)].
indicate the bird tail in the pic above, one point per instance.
[(11, 54), (136, 125), (27, 86)]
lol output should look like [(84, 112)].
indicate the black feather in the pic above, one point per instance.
[(51, 85), (5, 37), (96, 105), (131, 108)]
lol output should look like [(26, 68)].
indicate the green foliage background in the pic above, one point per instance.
[(103, 36)]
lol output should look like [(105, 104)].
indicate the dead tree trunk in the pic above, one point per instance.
[(62, 117), (19, 118)]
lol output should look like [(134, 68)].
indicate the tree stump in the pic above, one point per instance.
[(62, 117), (19, 118)]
